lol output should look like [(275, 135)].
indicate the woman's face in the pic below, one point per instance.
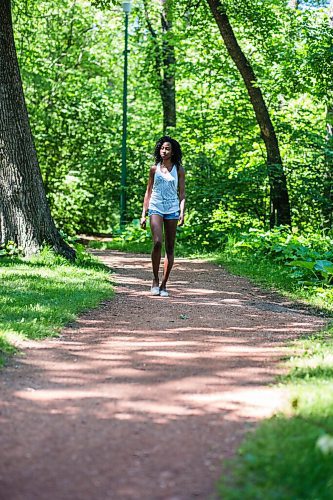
[(166, 151)]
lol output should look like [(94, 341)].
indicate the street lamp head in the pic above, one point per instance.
[(127, 6)]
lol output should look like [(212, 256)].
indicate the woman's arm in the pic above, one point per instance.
[(181, 184), (147, 196)]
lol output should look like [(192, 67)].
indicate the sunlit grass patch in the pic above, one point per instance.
[(39, 296), (6, 349)]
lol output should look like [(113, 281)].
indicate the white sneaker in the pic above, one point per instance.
[(164, 293), (155, 290)]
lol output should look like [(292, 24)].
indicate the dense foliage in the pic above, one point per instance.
[(71, 58)]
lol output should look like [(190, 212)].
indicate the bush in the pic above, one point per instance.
[(309, 256), (211, 232)]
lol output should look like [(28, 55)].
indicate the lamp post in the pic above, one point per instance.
[(126, 9)]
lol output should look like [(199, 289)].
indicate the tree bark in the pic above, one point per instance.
[(25, 216), (164, 63), (279, 198)]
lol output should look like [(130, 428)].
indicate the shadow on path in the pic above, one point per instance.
[(143, 397)]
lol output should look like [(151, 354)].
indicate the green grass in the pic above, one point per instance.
[(281, 461), (40, 295)]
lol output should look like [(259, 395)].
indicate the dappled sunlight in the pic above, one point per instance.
[(133, 379), (202, 292), (128, 376), (131, 281), (202, 304), (128, 388)]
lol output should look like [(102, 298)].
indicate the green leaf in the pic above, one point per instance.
[(301, 263), (324, 266)]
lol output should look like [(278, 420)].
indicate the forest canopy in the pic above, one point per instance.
[(71, 60)]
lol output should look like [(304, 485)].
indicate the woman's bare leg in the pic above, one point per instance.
[(170, 228), (156, 227)]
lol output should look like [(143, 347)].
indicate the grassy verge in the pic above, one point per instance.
[(277, 276), (40, 295)]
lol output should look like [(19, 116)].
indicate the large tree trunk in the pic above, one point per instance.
[(25, 216), (279, 199)]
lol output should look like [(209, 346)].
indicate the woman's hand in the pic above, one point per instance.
[(181, 220), (143, 222)]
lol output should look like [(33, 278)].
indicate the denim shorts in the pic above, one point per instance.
[(172, 216)]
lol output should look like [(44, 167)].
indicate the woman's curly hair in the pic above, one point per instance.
[(177, 154)]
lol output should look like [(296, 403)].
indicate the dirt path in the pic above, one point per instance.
[(144, 397)]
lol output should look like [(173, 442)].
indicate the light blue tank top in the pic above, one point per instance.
[(164, 196)]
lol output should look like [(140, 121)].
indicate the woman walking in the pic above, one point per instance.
[(165, 202)]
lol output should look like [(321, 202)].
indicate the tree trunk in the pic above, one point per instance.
[(279, 199), (25, 216), (164, 63), (168, 86), (328, 186)]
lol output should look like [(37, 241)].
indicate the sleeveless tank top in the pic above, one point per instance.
[(164, 196)]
